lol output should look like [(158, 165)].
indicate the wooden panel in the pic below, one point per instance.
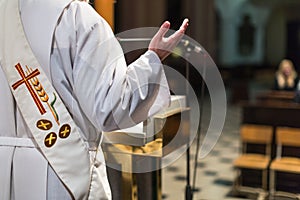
[(288, 136), (279, 96), (252, 161), (256, 133), (291, 165), (272, 113)]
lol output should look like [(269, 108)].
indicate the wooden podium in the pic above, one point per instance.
[(134, 168)]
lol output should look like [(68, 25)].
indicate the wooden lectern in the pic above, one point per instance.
[(134, 162)]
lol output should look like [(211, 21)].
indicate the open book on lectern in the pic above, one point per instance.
[(144, 132)]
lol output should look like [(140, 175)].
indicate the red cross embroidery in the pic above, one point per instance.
[(25, 79)]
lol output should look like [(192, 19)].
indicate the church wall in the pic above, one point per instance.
[(202, 17), (222, 44), (275, 37), (144, 13), (139, 13)]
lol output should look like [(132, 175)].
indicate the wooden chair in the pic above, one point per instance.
[(257, 161), (287, 164)]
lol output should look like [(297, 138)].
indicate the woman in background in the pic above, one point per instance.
[(286, 77)]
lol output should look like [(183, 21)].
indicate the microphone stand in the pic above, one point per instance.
[(200, 126), (188, 188)]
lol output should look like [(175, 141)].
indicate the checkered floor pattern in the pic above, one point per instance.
[(215, 174)]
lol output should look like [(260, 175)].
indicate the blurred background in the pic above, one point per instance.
[(247, 40)]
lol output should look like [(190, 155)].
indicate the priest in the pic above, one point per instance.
[(64, 80)]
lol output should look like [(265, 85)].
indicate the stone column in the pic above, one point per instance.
[(228, 11)]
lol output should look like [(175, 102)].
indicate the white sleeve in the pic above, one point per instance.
[(110, 93)]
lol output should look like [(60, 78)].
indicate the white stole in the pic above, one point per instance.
[(49, 121)]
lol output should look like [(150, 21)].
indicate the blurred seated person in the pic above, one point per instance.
[(286, 77)]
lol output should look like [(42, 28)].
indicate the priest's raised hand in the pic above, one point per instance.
[(162, 45)]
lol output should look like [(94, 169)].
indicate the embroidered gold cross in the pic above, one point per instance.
[(50, 139), (64, 131), (25, 79), (44, 124)]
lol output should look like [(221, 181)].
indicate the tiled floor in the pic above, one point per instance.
[(215, 173)]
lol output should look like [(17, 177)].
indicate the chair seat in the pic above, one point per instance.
[(252, 161), (286, 164)]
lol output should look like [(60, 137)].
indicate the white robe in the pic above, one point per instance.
[(102, 93)]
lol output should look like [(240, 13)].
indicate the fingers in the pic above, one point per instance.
[(166, 25), (164, 46), (163, 29), (184, 25), (180, 32)]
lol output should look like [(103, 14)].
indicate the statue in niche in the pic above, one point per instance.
[(246, 36)]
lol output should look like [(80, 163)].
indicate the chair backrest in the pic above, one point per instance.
[(287, 142), (259, 137), (288, 136), (256, 134)]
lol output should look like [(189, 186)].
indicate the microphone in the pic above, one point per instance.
[(190, 46)]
